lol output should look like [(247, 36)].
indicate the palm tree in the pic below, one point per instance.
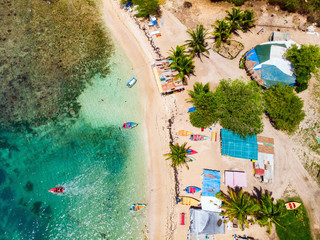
[(198, 88), (184, 65), (198, 42), (234, 18), (176, 54), (269, 212), (247, 20), (238, 205), (221, 31), (178, 155)]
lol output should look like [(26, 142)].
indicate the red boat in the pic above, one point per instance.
[(190, 152), (56, 190), (182, 219), (129, 125)]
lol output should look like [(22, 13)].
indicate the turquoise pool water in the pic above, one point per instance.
[(101, 166)]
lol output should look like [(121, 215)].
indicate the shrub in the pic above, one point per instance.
[(239, 106), (237, 2), (204, 116), (292, 5), (305, 60), (284, 107), (146, 8), (201, 119), (280, 3), (242, 60)]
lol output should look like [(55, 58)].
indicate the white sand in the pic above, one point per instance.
[(163, 213)]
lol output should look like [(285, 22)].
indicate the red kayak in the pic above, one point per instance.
[(56, 190)]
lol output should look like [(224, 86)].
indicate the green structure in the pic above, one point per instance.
[(267, 65)]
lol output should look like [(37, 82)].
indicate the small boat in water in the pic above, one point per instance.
[(184, 133), (189, 159), (198, 137), (137, 207), (128, 125), (189, 201), (131, 82), (192, 189), (56, 190), (292, 205), (190, 152)]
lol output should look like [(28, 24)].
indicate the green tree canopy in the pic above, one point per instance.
[(198, 88), (284, 107), (198, 43), (305, 60), (182, 63), (203, 99), (234, 17), (238, 204), (177, 54), (146, 8), (178, 155), (247, 20), (221, 31), (270, 212), (239, 106)]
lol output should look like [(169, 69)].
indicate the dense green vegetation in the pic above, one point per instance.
[(240, 106), (235, 104), (178, 155), (296, 224), (290, 224), (181, 62), (203, 99), (284, 108), (197, 43), (235, 20), (49, 53), (242, 206), (305, 60), (146, 8)]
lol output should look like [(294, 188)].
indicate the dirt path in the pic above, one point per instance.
[(290, 170)]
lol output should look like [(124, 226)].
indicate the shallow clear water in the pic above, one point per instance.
[(101, 165)]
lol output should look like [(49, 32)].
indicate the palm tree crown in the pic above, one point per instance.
[(178, 155), (176, 54), (235, 18), (184, 65), (221, 31), (198, 88), (238, 205), (198, 43), (269, 212), (247, 19)]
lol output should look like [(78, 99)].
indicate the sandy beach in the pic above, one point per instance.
[(163, 213)]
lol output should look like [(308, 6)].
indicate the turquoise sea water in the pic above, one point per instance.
[(101, 165)]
